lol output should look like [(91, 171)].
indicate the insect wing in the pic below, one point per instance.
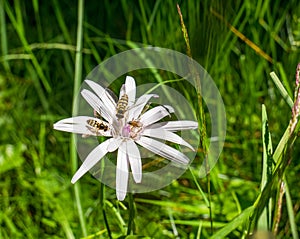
[(98, 127), (111, 96)]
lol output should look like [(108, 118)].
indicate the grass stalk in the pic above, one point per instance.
[(35, 4), (201, 116), (3, 35), (77, 82), (278, 211), (290, 211), (20, 31), (61, 22)]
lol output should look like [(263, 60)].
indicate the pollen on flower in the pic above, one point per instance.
[(136, 127)]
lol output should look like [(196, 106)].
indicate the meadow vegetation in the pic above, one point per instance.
[(254, 185)]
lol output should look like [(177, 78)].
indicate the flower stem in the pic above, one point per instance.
[(102, 204), (131, 214)]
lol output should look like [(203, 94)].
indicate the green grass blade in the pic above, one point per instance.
[(35, 4), (199, 207), (235, 223), (200, 225), (200, 189), (3, 35), (77, 82), (20, 31), (153, 14), (199, 230), (37, 84), (281, 89), (144, 30), (290, 211), (117, 215), (64, 222), (265, 218), (19, 16), (153, 70), (61, 22), (281, 146)]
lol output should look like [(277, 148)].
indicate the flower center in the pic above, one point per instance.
[(126, 131), (132, 129)]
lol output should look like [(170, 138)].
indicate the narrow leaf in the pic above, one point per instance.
[(281, 89)]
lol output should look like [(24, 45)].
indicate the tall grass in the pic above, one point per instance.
[(46, 51)]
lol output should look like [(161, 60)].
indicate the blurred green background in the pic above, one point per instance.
[(230, 39)]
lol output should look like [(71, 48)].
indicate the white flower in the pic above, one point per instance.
[(126, 123)]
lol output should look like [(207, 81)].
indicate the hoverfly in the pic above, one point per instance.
[(96, 126), (122, 106), (136, 127), (135, 123)]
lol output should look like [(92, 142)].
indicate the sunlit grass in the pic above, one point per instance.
[(41, 57)]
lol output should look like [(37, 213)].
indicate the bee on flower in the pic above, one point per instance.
[(127, 122)]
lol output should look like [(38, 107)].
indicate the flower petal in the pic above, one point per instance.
[(94, 157), (175, 125), (163, 150), (166, 135), (140, 104), (134, 158), (106, 98), (79, 125), (155, 114), (72, 125), (130, 89), (114, 145), (122, 91), (98, 105), (122, 173)]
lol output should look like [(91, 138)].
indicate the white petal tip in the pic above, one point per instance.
[(169, 108), (121, 195), (129, 78), (137, 178), (80, 172), (87, 81), (75, 178), (190, 147)]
